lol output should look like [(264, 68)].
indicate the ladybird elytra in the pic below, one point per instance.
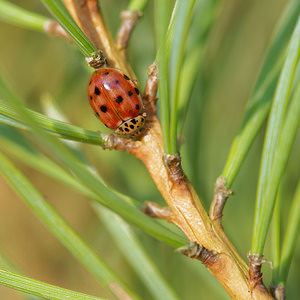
[(116, 101)]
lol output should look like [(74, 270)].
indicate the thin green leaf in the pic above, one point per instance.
[(43, 164), (162, 11), (6, 264), (290, 237), (38, 288), (203, 19), (260, 101), (276, 238), (15, 15), (57, 128), (125, 237), (57, 225), (278, 143), (105, 195), (132, 249), (58, 10), (182, 19)]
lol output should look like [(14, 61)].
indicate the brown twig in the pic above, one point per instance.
[(221, 195), (129, 20), (115, 57), (152, 83), (187, 208), (229, 269), (88, 17), (154, 210), (51, 27), (278, 292), (80, 13), (196, 251), (255, 275), (166, 171)]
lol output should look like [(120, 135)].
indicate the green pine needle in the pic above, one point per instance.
[(58, 10), (260, 101), (57, 225), (280, 134), (15, 15), (41, 289), (290, 238)]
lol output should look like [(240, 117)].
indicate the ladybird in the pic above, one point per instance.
[(116, 101)]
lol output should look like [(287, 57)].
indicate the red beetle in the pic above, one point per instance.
[(116, 101)]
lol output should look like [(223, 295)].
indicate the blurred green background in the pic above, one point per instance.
[(39, 66)]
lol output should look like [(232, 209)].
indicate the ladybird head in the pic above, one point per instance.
[(132, 127)]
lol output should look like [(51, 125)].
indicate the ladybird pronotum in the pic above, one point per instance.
[(116, 101)]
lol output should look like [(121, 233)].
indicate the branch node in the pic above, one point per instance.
[(114, 142), (197, 251), (173, 165), (255, 275), (154, 210), (221, 195), (152, 83), (97, 60), (129, 20), (278, 292)]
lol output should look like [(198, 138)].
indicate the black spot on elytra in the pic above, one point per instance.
[(131, 126), (103, 108), (126, 129), (106, 73), (130, 93), (133, 121), (90, 82), (97, 91), (126, 124), (91, 97), (117, 81), (126, 77), (137, 107), (137, 91), (119, 99)]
